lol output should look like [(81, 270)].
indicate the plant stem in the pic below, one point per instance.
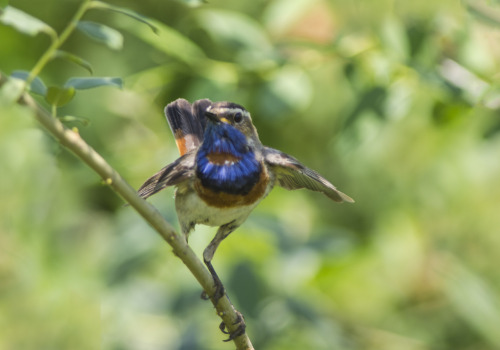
[(58, 42)]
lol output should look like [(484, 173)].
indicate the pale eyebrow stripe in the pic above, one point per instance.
[(231, 111)]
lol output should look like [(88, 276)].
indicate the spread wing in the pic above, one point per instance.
[(173, 174), (187, 122), (292, 175)]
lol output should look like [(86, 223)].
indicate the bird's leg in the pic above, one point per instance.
[(219, 287), (209, 252)]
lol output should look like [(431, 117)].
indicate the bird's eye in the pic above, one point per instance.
[(238, 117)]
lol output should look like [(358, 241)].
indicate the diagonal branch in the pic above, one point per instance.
[(72, 141)]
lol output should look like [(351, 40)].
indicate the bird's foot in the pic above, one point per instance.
[(220, 291), (239, 331)]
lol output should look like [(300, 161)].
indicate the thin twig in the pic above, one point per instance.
[(57, 43), (71, 140)]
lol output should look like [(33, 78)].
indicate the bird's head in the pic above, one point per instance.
[(227, 118)]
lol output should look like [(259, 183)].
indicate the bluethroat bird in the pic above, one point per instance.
[(224, 170)]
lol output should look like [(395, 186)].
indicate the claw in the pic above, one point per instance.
[(220, 291), (239, 331), (222, 328)]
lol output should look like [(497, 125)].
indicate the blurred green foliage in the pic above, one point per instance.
[(396, 102)]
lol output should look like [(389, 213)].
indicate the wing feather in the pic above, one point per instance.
[(292, 175), (173, 174)]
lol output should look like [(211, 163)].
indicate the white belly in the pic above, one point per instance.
[(191, 209)]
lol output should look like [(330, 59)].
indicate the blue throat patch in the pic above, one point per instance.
[(224, 161)]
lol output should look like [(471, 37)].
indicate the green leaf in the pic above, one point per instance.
[(289, 89), (171, 42), (485, 13), (25, 23), (474, 299), (73, 119), (281, 15), (37, 86), (73, 58), (101, 33), (234, 30), (125, 11), (57, 96), (89, 83), (11, 90), (193, 3), (3, 3), (240, 34)]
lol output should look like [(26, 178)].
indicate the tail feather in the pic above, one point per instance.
[(187, 122), (199, 108)]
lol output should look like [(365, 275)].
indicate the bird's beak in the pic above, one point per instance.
[(214, 118)]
